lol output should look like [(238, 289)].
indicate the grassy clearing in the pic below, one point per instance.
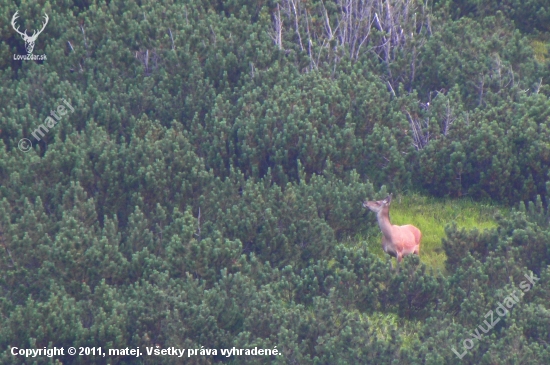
[(540, 49), (385, 323), (431, 215)]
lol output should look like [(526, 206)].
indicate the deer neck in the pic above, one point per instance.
[(384, 223)]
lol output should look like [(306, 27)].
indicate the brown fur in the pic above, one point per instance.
[(397, 241)]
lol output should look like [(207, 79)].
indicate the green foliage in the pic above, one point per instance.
[(529, 16), (504, 156), (431, 216), (540, 48), (205, 189)]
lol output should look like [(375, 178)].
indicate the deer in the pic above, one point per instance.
[(397, 241), (29, 40)]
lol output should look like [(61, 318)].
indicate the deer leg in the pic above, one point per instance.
[(399, 257)]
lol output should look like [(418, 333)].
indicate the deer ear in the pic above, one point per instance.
[(388, 199)]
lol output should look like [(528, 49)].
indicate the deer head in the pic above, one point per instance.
[(377, 206), (29, 40)]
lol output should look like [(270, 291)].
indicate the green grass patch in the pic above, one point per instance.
[(385, 323), (540, 48), (431, 215)]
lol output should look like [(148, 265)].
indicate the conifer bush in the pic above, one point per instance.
[(207, 189)]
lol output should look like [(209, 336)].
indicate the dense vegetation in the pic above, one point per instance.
[(206, 186)]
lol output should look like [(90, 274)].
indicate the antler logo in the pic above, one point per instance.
[(29, 40)]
